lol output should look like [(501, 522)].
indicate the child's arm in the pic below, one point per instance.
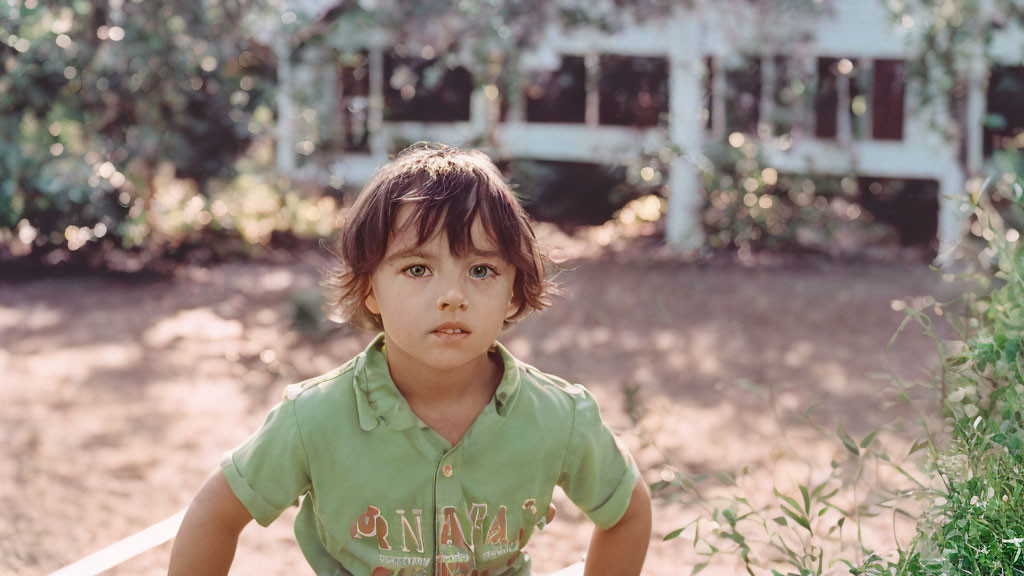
[(206, 541), (620, 550)]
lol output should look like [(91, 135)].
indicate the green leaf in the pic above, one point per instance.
[(660, 484), (905, 513), (830, 494), (797, 517), (699, 567), (807, 499), (817, 490), (867, 439), (788, 500), (673, 534), (724, 478), (917, 446), (736, 537), (847, 440), (878, 375)]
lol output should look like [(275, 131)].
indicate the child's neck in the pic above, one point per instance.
[(448, 401), (425, 386)]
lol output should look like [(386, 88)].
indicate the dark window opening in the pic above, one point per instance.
[(353, 100), (887, 100), (558, 95), (826, 99), (743, 96), (785, 95), (860, 90), (707, 79), (572, 194), (421, 90), (909, 206), (1004, 125), (504, 85), (633, 91)]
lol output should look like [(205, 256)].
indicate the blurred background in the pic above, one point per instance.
[(744, 198)]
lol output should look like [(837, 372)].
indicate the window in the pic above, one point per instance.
[(707, 81), (859, 82), (826, 99), (786, 95), (558, 95), (887, 100), (633, 90), (846, 80), (425, 90), (572, 193), (788, 85), (743, 96), (1004, 125), (353, 100)]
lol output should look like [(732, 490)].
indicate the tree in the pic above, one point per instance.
[(96, 96)]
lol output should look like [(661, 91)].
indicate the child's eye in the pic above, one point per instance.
[(481, 271), (416, 270)]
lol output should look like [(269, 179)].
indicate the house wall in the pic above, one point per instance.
[(716, 32)]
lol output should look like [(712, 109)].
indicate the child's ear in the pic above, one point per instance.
[(371, 303), (513, 307)]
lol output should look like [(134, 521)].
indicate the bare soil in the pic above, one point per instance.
[(119, 394)]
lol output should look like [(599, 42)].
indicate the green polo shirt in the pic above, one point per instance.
[(385, 495)]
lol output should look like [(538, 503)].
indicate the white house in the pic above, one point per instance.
[(860, 117)]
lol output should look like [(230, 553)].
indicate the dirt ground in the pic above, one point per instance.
[(120, 394)]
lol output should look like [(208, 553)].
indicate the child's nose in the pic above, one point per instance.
[(452, 297)]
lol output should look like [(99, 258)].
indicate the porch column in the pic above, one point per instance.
[(375, 103), (683, 228), (284, 151)]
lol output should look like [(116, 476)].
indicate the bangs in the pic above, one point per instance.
[(448, 191), (451, 204)]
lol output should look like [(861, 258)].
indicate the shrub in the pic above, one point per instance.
[(750, 206), (576, 194), (973, 522)]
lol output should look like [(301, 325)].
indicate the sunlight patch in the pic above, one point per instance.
[(198, 324)]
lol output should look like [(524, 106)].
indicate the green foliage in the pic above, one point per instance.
[(944, 40), (973, 522), (95, 98), (750, 206), (98, 99), (572, 194), (979, 523), (982, 512), (800, 531)]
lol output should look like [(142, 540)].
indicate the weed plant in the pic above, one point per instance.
[(966, 476)]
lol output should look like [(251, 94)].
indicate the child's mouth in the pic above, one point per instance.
[(450, 332)]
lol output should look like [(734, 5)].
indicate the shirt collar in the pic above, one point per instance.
[(377, 397)]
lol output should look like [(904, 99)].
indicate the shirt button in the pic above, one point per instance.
[(447, 470)]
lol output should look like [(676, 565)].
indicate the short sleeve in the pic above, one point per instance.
[(269, 471), (598, 473)]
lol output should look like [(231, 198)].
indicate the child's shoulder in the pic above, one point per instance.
[(323, 384), (533, 379), (531, 375)]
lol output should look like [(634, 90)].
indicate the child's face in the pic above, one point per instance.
[(422, 291)]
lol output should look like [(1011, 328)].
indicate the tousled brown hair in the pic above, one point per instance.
[(448, 189)]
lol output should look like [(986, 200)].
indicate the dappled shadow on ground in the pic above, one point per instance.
[(120, 397)]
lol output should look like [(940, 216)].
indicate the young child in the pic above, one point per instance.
[(434, 451)]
